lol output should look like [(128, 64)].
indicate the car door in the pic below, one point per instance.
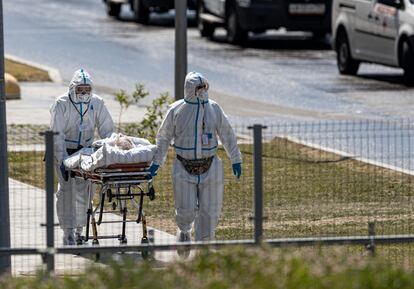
[(387, 31), (365, 34)]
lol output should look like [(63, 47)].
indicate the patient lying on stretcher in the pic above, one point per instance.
[(122, 142), (117, 149)]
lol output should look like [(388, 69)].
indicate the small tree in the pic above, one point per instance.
[(125, 100), (149, 125), (153, 117)]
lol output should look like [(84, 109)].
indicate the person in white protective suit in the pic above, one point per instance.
[(75, 115), (192, 126)]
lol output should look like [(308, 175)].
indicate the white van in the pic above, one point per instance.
[(377, 31)]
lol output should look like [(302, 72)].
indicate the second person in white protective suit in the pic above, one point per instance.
[(75, 115), (192, 125)]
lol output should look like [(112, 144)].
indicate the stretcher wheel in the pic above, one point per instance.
[(151, 193), (95, 242), (145, 253), (80, 241), (114, 206), (123, 241), (109, 193)]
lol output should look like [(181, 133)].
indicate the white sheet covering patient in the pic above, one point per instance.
[(117, 149)]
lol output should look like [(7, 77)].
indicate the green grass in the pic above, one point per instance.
[(24, 72), (238, 268), (27, 167)]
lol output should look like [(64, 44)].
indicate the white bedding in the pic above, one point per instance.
[(108, 153)]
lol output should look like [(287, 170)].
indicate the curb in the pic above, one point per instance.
[(54, 74)]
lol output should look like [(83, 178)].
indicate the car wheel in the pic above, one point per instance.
[(113, 9), (206, 29), (235, 33), (408, 63), (141, 12), (346, 64)]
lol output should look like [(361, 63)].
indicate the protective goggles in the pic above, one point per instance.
[(83, 89), (202, 86)]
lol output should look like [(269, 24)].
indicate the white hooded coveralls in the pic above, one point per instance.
[(192, 125), (75, 121)]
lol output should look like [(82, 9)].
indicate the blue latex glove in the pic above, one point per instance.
[(64, 172), (237, 170), (153, 169)]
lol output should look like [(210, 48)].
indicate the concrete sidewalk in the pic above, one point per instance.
[(28, 213), (37, 97)]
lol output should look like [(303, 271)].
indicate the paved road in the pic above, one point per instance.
[(275, 75)]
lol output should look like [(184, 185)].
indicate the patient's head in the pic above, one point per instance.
[(123, 142)]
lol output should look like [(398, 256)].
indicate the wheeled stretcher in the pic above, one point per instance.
[(119, 183)]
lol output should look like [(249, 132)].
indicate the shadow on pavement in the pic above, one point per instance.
[(391, 78), (165, 20), (288, 41), (119, 257)]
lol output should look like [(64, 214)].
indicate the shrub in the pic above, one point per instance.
[(239, 268)]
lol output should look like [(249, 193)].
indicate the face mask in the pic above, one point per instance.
[(83, 97), (83, 93), (202, 94)]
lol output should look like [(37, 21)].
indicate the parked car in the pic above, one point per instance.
[(377, 31), (239, 17), (142, 8)]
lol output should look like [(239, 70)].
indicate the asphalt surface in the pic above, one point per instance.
[(276, 75)]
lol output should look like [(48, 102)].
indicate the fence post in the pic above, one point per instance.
[(5, 261), (180, 47), (50, 203), (371, 234), (258, 182)]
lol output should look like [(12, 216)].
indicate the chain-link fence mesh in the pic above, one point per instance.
[(26, 195), (26, 154), (320, 179), (330, 179)]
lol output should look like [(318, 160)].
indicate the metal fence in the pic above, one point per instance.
[(303, 184)]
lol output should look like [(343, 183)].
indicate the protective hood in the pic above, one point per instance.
[(80, 77), (193, 80)]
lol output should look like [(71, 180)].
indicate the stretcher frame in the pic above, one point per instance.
[(117, 183)]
